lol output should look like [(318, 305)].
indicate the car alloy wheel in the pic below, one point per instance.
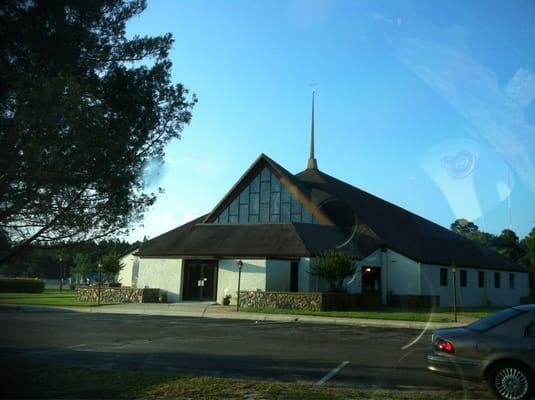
[(511, 383)]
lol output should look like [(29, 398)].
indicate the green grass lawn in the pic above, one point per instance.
[(472, 312), (398, 315), (50, 297), (31, 380)]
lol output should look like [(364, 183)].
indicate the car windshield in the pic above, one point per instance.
[(494, 320)]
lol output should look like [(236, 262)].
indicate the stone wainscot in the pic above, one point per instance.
[(120, 295)]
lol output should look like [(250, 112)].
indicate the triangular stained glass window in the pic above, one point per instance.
[(265, 200)]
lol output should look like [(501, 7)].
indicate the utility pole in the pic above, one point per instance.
[(454, 270), (99, 281)]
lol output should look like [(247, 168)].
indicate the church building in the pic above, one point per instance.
[(273, 223)]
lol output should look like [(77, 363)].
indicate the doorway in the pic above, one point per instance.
[(371, 279), (200, 280)]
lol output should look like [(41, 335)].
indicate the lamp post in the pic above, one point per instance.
[(99, 281), (60, 258), (454, 270), (240, 266)]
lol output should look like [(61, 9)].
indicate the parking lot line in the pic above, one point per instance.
[(332, 373)]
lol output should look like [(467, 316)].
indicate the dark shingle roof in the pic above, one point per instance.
[(397, 228), (247, 240)]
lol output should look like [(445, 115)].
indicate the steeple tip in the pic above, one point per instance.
[(312, 163)]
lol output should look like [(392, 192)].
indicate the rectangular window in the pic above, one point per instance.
[(234, 207), (244, 196), (285, 212), (497, 282), (275, 184), (255, 185), (244, 213), (463, 278), (264, 177), (275, 203), (296, 206), (296, 217), (511, 281), (264, 212), (274, 218), (481, 279), (443, 277), (264, 192), (307, 216), (285, 194), (255, 203)]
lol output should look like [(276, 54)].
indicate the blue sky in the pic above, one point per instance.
[(429, 105)]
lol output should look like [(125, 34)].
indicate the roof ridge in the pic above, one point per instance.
[(300, 238)]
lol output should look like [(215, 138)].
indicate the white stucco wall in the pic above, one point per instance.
[(162, 273), (472, 295), (306, 281), (403, 274), (125, 275), (253, 277), (278, 275)]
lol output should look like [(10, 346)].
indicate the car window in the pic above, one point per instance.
[(494, 320), (530, 331)]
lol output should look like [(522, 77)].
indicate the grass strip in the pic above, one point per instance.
[(49, 297), (397, 315), (23, 379)]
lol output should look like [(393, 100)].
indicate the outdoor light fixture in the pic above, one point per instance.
[(368, 270), (99, 281), (240, 266)]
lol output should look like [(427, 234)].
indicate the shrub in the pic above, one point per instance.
[(334, 267), (21, 285)]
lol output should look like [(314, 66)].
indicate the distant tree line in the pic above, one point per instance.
[(507, 243), (78, 260)]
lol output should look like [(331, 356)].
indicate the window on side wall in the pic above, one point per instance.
[(443, 277), (511, 281), (481, 279), (463, 278), (497, 280)]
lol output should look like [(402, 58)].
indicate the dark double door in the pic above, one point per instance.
[(200, 280)]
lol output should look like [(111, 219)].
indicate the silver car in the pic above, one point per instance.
[(499, 348)]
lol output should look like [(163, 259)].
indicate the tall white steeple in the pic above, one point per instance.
[(312, 163)]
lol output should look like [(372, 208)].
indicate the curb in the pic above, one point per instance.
[(360, 322)]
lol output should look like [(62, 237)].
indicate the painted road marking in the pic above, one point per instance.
[(332, 373), (57, 349)]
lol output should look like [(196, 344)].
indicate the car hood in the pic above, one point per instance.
[(448, 333)]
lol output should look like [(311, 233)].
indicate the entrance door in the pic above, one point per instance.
[(371, 279), (200, 280)]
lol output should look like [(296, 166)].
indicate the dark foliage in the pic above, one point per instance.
[(83, 108), (21, 285), (334, 267)]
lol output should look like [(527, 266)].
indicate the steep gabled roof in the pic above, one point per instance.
[(395, 227), (286, 178)]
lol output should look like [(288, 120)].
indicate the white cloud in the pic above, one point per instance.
[(521, 87)]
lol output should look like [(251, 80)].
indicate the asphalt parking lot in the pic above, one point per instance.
[(284, 351)]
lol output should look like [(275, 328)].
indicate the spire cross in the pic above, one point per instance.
[(312, 163)]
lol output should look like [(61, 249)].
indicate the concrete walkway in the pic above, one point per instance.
[(211, 310)]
